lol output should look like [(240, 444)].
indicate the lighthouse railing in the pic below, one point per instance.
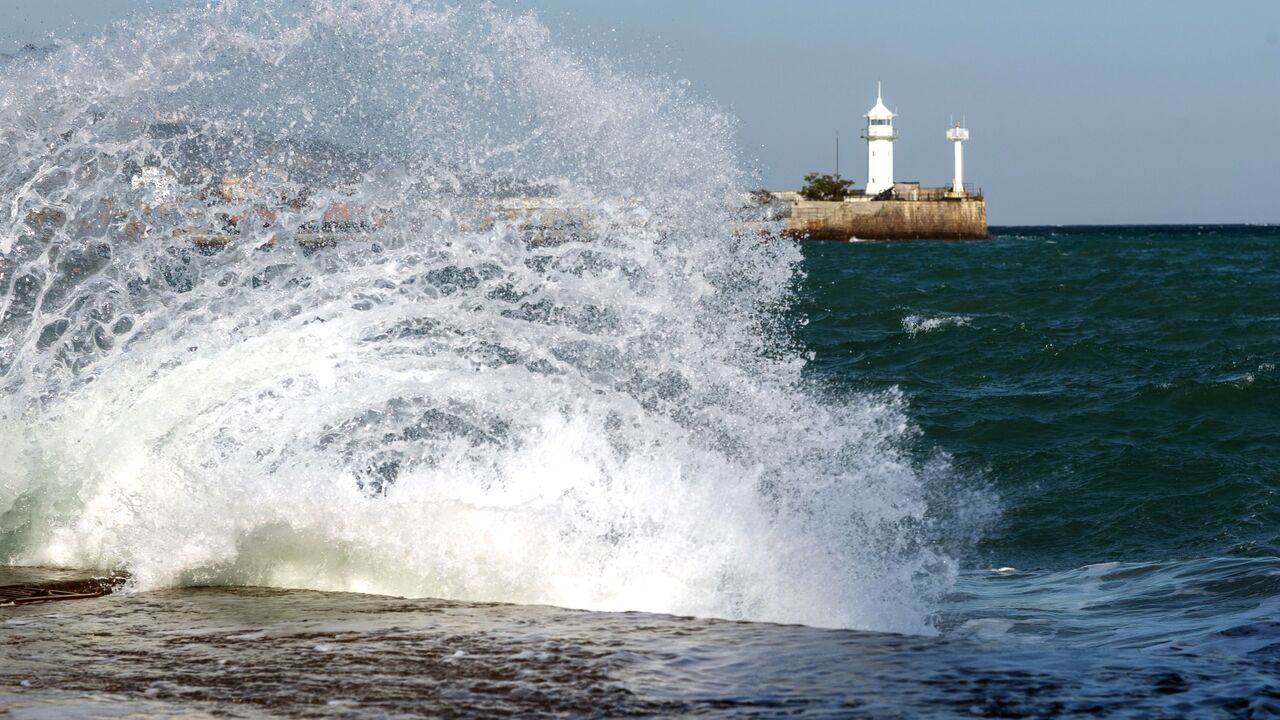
[(971, 192), (880, 132)]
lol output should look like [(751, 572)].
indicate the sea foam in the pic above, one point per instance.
[(612, 417), (916, 324)]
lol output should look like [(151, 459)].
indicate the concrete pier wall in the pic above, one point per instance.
[(943, 219)]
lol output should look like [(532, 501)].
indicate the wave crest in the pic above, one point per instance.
[(279, 310)]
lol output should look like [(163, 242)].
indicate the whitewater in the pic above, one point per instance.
[(434, 405)]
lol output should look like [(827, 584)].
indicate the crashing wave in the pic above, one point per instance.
[(378, 378)]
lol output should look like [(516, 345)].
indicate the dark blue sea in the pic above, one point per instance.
[(1108, 398)]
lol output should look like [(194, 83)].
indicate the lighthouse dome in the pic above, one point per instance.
[(880, 112)]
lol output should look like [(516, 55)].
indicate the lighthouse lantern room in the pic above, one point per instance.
[(880, 135)]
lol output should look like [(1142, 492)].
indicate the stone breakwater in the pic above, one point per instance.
[(943, 219)]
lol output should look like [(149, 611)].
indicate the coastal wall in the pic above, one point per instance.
[(944, 219)]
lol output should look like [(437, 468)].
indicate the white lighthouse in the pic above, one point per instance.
[(958, 134), (880, 135)]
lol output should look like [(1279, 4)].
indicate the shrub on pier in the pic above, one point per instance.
[(825, 187)]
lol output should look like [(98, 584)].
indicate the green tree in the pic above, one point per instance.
[(825, 187)]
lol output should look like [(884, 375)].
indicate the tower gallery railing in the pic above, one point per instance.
[(923, 193), (879, 134)]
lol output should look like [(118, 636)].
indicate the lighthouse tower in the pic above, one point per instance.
[(958, 134), (880, 135)]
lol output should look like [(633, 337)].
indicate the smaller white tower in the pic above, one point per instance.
[(958, 134), (880, 135)]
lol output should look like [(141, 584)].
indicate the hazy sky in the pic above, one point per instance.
[(1080, 112)]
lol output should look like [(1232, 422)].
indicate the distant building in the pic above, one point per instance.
[(890, 209), (880, 135), (958, 135)]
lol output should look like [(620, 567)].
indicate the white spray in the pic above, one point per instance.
[(435, 404)]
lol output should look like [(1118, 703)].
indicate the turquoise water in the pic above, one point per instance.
[(1114, 388), (1094, 412)]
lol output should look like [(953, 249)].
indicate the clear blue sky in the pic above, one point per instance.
[(1088, 111)]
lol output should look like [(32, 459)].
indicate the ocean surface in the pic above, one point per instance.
[(410, 364), (1116, 389), (1112, 390)]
